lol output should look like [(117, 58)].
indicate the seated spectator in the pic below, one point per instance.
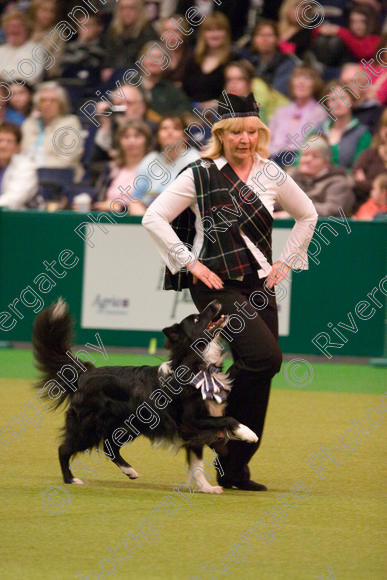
[(376, 206), (305, 85), (378, 89), (366, 108), (43, 141), (164, 97), (7, 113), (347, 136), (82, 60), (133, 142), (371, 162), (294, 37), (18, 178), (236, 13), (172, 159), (328, 187), (204, 73), (130, 105), (360, 38), (127, 33), (240, 79), (271, 65), (18, 47), (179, 50), (21, 100), (44, 15)]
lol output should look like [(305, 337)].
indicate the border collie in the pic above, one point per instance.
[(107, 405)]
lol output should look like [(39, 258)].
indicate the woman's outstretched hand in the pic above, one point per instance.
[(209, 278), (278, 273)]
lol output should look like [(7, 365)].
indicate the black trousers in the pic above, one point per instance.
[(257, 358)]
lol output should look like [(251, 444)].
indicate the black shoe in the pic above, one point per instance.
[(247, 485)]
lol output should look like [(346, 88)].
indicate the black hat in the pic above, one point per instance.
[(241, 106)]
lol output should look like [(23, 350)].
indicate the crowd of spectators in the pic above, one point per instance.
[(137, 83)]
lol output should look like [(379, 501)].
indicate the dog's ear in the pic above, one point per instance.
[(172, 332)]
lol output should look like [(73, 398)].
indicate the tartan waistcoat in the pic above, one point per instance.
[(227, 206)]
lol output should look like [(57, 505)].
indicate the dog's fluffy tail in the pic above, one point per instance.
[(51, 341)]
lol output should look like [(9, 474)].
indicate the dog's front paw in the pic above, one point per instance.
[(77, 481), (246, 434), (211, 489), (130, 471)]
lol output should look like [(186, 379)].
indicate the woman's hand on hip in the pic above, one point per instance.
[(209, 278), (278, 273)]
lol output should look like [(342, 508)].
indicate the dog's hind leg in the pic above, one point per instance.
[(65, 452), (197, 473), (118, 460)]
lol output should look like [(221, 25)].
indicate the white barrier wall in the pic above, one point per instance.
[(122, 283)]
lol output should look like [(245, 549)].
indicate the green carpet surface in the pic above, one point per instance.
[(332, 527), (343, 378)]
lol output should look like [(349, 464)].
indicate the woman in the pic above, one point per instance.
[(371, 162), (329, 187), (44, 16), (360, 38), (295, 35), (127, 33), (346, 135), (18, 48), (133, 142), (175, 42), (271, 65), (204, 74), (131, 106), (304, 110), (51, 136), (240, 79), (21, 100), (164, 97), (171, 156), (235, 266)]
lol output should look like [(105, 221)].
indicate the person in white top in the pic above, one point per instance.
[(18, 175), (16, 55), (222, 207)]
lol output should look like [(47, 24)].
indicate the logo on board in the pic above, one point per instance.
[(111, 304)]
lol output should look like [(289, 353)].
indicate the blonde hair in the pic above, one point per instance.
[(135, 29), (214, 21), (214, 147), (36, 4), (17, 15), (284, 16)]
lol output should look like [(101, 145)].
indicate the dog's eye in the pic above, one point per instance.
[(196, 320)]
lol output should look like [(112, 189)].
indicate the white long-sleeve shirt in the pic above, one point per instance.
[(181, 194), (19, 184)]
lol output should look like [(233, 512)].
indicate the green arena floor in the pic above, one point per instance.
[(331, 528)]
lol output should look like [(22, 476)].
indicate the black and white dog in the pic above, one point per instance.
[(107, 405)]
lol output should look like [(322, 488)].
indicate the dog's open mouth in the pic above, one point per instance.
[(218, 323)]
